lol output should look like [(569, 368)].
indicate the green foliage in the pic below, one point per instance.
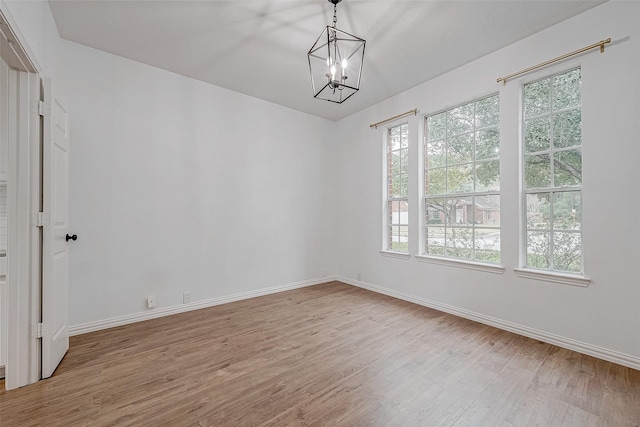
[(560, 249), (487, 176), (399, 246), (463, 243), (566, 254), (568, 168), (487, 143)]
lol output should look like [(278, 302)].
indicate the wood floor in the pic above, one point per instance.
[(330, 354)]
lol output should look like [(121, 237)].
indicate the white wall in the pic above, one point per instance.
[(178, 185), (607, 312)]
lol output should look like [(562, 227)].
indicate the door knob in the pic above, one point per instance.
[(74, 237)]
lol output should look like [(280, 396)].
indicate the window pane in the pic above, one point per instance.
[(399, 212), (436, 181), (395, 238), (460, 120), (460, 149), (487, 210), (404, 161), (488, 176), (404, 136), (399, 162), (536, 97), (437, 126), (435, 241), (566, 90), (459, 179), (487, 244), (567, 253), (435, 154), (404, 185), (567, 168), (487, 112), (567, 210), (567, 130), (487, 144), (538, 211), (538, 248), (395, 209), (435, 211), (395, 189), (394, 140), (459, 242), (537, 135), (537, 171), (449, 209), (459, 210)]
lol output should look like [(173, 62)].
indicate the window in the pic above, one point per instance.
[(397, 201), (462, 182), (552, 167)]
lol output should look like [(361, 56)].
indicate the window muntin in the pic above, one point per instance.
[(462, 182), (397, 201), (552, 173)]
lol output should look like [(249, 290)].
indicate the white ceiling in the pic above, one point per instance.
[(259, 47)]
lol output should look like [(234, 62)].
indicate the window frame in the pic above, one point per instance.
[(467, 263), (526, 271), (387, 233)]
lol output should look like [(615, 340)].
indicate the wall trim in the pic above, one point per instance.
[(564, 342), (182, 308)]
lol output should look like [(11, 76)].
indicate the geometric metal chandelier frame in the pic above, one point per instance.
[(335, 63)]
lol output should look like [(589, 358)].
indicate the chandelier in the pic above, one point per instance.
[(335, 63)]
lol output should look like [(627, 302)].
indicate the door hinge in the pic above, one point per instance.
[(37, 330), (40, 219), (43, 108)]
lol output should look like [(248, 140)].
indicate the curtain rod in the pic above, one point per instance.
[(601, 43), (375, 125)]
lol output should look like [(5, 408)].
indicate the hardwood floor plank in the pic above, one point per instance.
[(329, 354)]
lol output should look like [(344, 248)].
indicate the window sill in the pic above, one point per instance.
[(393, 254), (469, 265), (548, 276)]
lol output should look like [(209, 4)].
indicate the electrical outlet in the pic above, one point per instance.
[(359, 277), (151, 302), (186, 297)]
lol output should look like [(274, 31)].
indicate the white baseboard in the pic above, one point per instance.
[(167, 311), (568, 343)]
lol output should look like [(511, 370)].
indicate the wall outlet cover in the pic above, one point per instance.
[(186, 298)]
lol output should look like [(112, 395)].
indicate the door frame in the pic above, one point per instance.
[(24, 199)]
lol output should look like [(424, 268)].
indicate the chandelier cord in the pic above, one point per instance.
[(335, 18)]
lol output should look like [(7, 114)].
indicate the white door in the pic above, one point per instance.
[(55, 240)]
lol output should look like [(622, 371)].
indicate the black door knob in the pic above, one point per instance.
[(74, 237)]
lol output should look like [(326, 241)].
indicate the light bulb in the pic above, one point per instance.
[(344, 63), (333, 72)]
